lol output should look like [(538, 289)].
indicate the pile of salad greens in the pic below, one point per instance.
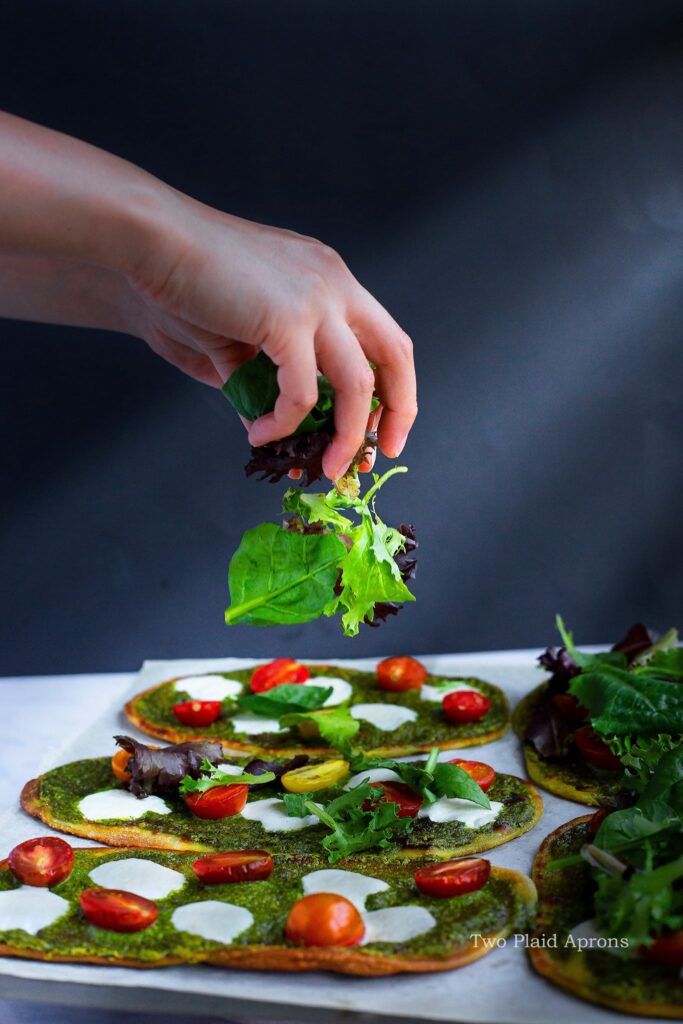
[(632, 696), (637, 859), (333, 554)]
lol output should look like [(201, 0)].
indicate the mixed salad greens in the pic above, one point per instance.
[(636, 860), (333, 555), (631, 697)]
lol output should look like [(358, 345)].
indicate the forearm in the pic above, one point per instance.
[(59, 291), (63, 198)]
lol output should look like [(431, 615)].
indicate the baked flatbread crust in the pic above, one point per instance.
[(285, 958)]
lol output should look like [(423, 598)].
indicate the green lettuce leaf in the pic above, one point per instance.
[(212, 776), (333, 725), (278, 577), (622, 702)]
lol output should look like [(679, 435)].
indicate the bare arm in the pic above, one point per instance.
[(87, 238)]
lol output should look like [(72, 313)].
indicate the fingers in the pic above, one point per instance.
[(391, 350), (341, 359), (297, 379), (192, 363)]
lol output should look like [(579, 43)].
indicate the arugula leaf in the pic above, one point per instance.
[(278, 577), (622, 702), (216, 777), (285, 698), (333, 725), (353, 825), (588, 661), (640, 906)]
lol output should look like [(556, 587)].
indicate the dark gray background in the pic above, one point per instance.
[(506, 178)]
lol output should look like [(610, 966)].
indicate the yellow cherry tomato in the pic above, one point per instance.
[(315, 776)]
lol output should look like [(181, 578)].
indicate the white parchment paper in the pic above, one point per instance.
[(499, 989)]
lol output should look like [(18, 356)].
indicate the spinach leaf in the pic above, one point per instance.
[(284, 699), (431, 779), (253, 390), (622, 702), (278, 577)]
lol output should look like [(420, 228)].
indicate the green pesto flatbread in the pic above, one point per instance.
[(55, 799), (565, 900), (424, 725), (255, 914)]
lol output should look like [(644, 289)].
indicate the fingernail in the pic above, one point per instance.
[(398, 448), (340, 472)]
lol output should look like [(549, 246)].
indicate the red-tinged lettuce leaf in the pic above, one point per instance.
[(280, 577), (637, 640), (273, 461), (278, 768), (161, 771), (549, 732)]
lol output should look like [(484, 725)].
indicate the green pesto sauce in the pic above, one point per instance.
[(565, 899), (571, 769), (63, 788), (430, 726), (496, 907)]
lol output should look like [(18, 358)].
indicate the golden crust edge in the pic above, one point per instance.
[(573, 977), (173, 735), (285, 958), (140, 838)]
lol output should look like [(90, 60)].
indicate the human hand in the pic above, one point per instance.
[(214, 289)]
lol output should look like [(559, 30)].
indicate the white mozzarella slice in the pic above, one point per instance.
[(251, 724), (354, 886), (121, 805), (386, 717), (230, 769), (373, 775), (396, 924), (341, 690), (273, 816), (213, 920), (437, 693), (143, 877), (209, 687), (30, 909), (454, 809)]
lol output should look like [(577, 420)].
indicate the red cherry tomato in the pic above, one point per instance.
[(596, 820), (399, 674), (480, 772), (569, 706), (465, 706), (275, 673), (219, 802), (666, 950), (44, 862), (323, 919), (594, 750), (197, 712), (117, 910), (409, 802), (453, 877), (233, 866)]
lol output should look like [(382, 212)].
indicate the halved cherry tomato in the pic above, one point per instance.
[(480, 772), (666, 950), (399, 674), (118, 910), (197, 712), (119, 765), (453, 877), (313, 777), (233, 866), (323, 919), (594, 750), (44, 862), (409, 802), (570, 707), (219, 802), (465, 706), (275, 673), (596, 820)]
